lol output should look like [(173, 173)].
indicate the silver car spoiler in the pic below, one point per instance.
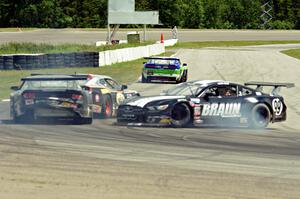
[(277, 86)]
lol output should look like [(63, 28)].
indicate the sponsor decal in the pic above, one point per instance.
[(277, 106), (96, 108), (29, 101), (222, 109), (195, 100), (244, 120)]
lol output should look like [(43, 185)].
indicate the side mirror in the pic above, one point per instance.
[(14, 88), (123, 87), (184, 64)]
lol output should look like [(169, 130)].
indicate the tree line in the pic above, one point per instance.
[(218, 14)]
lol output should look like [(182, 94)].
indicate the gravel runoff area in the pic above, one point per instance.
[(107, 161), (90, 37)]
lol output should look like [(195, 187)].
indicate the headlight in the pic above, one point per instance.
[(158, 108)]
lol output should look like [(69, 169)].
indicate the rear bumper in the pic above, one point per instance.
[(162, 75), (48, 110)]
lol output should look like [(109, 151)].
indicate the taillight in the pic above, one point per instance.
[(76, 97), (29, 95), (89, 77)]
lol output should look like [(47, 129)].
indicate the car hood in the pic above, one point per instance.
[(142, 101)]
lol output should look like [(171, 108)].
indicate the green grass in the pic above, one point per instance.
[(227, 43), (124, 73), (293, 53), (14, 48)]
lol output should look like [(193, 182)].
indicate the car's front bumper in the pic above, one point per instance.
[(141, 117)]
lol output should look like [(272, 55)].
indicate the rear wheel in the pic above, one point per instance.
[(27, 117), (260, 116), (16, 119), (144, 79), (181, 115), (184, 77), (107, 106)]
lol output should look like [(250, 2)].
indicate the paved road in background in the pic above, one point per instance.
[(103, 160), (90, 37)]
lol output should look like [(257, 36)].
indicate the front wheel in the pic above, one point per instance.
[(260, 116), (181, 115), (185, 75), (107, 106)]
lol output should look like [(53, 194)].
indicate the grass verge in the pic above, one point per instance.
[(124, 73), (15, 48), (293, 53), (16, 29), (228, 43)]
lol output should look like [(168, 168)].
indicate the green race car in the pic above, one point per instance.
[(164, 69)]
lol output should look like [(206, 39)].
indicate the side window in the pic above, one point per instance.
[(221, 91), (112, 83), (103, 83), (246, 91), (228, 91), (211, 92)]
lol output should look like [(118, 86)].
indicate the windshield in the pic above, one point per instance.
[(51, 84), (184, 89)]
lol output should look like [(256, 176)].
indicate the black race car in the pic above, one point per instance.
[(52, 96), (207, 103)]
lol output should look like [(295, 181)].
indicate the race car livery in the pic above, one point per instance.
[(107, 94), (50, 96), (164, 69), (211, 103)]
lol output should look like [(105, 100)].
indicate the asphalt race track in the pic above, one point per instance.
[(90, 37), (107, 161)]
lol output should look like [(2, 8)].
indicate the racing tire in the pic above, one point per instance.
[(184, 76), (181, 115), (16, 119), (260, 116), (107, 107), (27, 118), (144, 80)]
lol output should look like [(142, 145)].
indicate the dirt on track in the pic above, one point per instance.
[(107, 161)]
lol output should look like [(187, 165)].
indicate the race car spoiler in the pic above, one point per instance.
[(52, 78), (277, 86), (162, 58)]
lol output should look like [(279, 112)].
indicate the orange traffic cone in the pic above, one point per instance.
[(162, 40)]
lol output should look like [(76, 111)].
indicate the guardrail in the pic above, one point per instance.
[(77, 59)]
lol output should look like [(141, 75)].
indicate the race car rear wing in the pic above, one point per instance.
[(162, 58), (277, 86)]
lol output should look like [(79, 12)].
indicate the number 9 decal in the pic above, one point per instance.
[(277, 106)]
